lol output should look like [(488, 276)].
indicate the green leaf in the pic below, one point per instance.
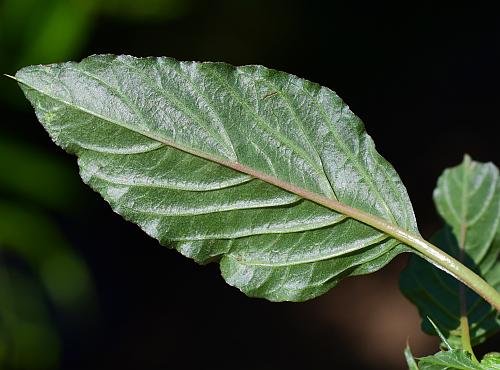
[(455, 359), (410, 360), (468, 199), (244, 166), (440, 334), (491, 361)]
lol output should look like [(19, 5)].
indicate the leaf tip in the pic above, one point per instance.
[(410, 360), (440, 334), (9, 76), (467, 158)]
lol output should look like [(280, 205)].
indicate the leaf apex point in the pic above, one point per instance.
[(10, 76)]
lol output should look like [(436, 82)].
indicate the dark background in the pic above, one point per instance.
[(424, 79)]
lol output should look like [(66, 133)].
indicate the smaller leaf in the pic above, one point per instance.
[(443, 339), (468, 198), (454, 359), (491, 361), (410, 360)]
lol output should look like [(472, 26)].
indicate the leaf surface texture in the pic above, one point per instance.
[(209, 158)]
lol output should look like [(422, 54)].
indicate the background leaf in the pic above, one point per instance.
[(468, 198), (21, 163), (491, 361), (28, 339), (170, 145), (33, 251)]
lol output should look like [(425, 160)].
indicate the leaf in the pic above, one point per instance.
[(491, 361), (468, 199), (455, 359), (412, 365), (440, 334), (237, 165)]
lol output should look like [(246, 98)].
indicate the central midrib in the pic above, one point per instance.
[(355, 213)]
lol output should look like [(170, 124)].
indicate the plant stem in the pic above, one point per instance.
[(464, 320), (427, 250), (464, 327), (432, 254)]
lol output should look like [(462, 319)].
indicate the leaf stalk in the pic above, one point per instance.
[(425, 249), (434, 255)]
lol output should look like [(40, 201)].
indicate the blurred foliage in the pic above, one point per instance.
[(47, 31), (40, 31), (38, 270), (41, 276), (150, 10), (27, 338), (20, 164), (30, 234)]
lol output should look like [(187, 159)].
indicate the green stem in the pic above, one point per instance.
[(427, 250), (464, 320), (464, 328), (432, 254)]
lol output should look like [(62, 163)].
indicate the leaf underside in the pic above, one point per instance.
[(186, 150), (468, 198)]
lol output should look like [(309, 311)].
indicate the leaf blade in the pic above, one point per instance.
[(410, 360), (156, 107), (454, 359), (468, 199)]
